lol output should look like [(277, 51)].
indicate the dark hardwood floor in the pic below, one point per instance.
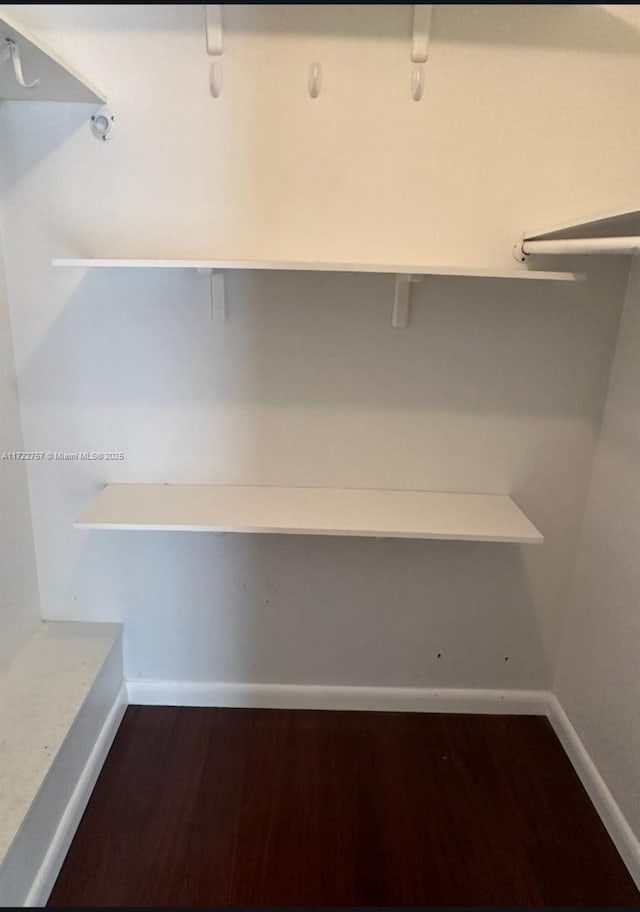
[(206, 807)]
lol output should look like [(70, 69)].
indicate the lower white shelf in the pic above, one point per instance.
[(310, 511), (55, 694)]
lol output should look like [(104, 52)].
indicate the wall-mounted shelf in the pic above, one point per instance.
[(310, 511), (56, 80), (405, 275), (612, 224), (301, 266), (603, 233)]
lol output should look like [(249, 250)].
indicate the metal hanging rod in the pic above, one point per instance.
[(619, 246)]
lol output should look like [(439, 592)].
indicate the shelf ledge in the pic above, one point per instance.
[(310, 511), (302, 266)]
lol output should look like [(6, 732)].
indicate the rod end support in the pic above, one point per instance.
[(518, 252)]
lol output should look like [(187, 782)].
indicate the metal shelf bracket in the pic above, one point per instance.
[(401, 312), (420, 46), (215, 45), (216, 294)]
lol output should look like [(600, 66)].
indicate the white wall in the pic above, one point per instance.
[(597, 681), (494, 387), (19, 602)]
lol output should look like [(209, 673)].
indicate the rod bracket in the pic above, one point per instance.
[(518, 252)]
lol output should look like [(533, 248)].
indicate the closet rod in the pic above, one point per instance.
[(605, 245)]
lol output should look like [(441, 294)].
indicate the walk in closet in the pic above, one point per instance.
[(351, 294)]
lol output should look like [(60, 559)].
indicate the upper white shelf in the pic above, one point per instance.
[(302, 266), (623, 223), (57, 81), (310, 511)]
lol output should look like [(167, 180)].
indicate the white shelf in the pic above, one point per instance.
[(302, 266), (310, 511), (42, 690), (58, 81), (623, 223)]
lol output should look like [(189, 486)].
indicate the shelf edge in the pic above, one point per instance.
[(293, 266)]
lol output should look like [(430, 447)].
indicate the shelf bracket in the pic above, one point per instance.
[(215, 30), (215, 45), (401, 313), (420, 46), (216, 294)]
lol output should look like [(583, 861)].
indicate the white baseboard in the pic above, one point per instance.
[(315, 696), (59, 845), (623, 837)]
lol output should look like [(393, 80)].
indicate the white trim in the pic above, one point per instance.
[(52, 862), (317, 696), (623, 837)]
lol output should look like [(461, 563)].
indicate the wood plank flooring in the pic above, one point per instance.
[(223, 807)]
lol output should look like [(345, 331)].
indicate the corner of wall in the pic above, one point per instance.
[(20, 596)]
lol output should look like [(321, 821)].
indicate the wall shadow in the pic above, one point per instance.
[(344, 611)]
